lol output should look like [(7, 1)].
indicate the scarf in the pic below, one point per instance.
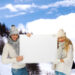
[(14, 44), (61, 53)]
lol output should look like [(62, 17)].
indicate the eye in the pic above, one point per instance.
[(13, 34)]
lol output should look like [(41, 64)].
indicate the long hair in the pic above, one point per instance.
[(67, 44)]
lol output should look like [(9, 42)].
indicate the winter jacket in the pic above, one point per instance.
[(9, 56), (65, 66)]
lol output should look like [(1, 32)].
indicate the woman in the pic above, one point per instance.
[(11, 53), (63, 63)]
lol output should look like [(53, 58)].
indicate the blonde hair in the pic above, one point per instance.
[(67, 44)]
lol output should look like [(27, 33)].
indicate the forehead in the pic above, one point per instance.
[(14, 35), (61, 37)]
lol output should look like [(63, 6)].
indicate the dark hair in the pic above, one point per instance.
[(12, 25)]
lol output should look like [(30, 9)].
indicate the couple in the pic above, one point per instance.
[(62, 65)]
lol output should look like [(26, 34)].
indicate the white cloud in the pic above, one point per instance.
[(18, 14), (17, 7), (24, 7), (51, 26), (63, 3), (10, 7), (23, 0), (21, 27)]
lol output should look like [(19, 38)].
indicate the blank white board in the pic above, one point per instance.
[(38, 48)]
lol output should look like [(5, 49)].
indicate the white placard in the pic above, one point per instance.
[(38, 48)]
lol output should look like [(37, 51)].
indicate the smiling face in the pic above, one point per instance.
[(14, 37), (61, 39)]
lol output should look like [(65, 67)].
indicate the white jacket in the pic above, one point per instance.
[(66, 66), (9, 56)]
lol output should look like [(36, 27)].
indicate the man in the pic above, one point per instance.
[(11, 53)]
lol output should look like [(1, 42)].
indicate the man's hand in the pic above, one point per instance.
[(61, 60), (19, 58), (28, 34)]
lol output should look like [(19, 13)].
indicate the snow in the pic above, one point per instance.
[(5, 69)]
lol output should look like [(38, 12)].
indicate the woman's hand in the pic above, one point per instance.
[(19, 58), (28, 34), (61, 60)]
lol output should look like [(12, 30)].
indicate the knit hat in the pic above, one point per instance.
[(61, 33), (13, 30)]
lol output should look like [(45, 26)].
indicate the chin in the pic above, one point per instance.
[(15, 40)]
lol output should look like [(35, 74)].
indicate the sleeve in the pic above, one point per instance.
[(69, 57), (57, 61), (5, 58)]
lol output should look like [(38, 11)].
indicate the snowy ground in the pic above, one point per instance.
[(6, 70), (73, 72), (45, 69)]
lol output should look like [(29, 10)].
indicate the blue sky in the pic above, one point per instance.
[(24, 11)]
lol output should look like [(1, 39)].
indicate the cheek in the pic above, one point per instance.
[(59, 39), (14, 37)]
